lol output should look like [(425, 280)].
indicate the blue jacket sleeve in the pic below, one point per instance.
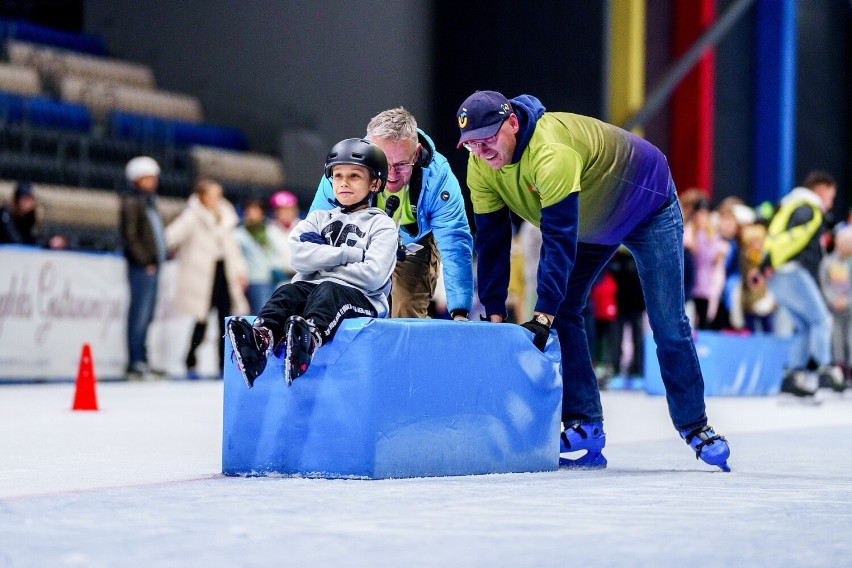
[(493, 244), (448, 221), (558, 251), (324, 193)]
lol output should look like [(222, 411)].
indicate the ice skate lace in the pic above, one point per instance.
[(705, 439), (578, 429)]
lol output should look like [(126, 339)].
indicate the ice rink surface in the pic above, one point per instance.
[(137, 483)]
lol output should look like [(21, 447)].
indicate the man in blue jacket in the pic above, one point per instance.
[(423, 197)]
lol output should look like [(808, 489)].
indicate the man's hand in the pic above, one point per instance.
[(492, 318), (459, 314), (312, 237), (540, 332)]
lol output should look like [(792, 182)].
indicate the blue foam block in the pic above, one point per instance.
[(394, 398), (732, 365)]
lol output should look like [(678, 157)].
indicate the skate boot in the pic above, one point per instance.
[(303, 339), (799, 382), (709, 446), (831, 376), (588, 437), (251, 347)]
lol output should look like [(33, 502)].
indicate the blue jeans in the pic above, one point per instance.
[(797, 291), (657, 247), (143, 300)]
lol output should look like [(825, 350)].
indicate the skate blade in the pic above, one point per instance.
[(788, 399), (288, 370), (590, 460)]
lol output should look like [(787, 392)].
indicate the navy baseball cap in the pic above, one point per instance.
[(481, 115)]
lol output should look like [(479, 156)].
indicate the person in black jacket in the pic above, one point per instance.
[(18, 219), (793, 251), (145, 250)]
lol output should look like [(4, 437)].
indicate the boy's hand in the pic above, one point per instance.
[(312, 237)]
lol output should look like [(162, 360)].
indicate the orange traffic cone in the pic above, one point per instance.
[(84, 396)]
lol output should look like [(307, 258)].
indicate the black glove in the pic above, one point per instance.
[(312, 237), (400, 253), (540, 333)]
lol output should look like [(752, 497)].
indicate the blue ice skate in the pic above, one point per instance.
[(709, 446), (588, 437)]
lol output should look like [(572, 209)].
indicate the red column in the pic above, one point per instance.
[(691, 150)]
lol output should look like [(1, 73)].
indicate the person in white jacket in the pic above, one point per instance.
[(344, 259), (212, 272)]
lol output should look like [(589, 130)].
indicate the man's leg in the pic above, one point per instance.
[(798, 292), (657, 247), (143, 299), (581, 400), (804, 301), (414, 281), (582, 415)]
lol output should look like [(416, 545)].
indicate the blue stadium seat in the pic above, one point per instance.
[(34, 33), (11, 108), (154, 130), (40, 111), (55, 114)]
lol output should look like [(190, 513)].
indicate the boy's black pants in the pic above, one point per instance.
[(326, 303)]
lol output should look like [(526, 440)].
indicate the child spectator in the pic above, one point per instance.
[(757, 303), (259, 253), (836, 281), (285, 215), (709, 251)]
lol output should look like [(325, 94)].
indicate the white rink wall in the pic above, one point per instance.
[(52, 302)]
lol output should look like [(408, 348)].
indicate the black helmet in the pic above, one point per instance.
[(361, 153)]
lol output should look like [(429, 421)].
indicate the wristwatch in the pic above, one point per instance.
[(542, 319)]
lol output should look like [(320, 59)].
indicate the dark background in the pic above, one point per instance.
[(297, 76)]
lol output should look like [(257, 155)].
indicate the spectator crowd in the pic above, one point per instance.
[(246, 257)]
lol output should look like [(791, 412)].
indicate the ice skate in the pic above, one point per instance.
[(831, 376), (588, 437), (709, 446), (799, 386), (302, 341), (251, 347)]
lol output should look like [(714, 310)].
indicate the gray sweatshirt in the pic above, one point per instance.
[(360, 251)]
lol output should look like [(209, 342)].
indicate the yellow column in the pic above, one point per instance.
[(627, 60)]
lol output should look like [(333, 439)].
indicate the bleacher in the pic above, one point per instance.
[(71, 117)]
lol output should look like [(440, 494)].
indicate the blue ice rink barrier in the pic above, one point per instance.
[(396, 398), (732, 365)]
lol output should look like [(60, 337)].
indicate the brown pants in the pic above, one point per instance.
[(414, 281)]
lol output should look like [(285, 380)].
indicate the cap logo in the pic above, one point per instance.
[(504, 108), (463, 119)]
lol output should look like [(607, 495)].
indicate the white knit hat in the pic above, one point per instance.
[(140, 167)]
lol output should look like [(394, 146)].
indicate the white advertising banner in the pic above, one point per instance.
[(53, 302)]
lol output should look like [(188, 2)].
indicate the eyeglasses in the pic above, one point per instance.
[(484, 142), (403, 167)]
